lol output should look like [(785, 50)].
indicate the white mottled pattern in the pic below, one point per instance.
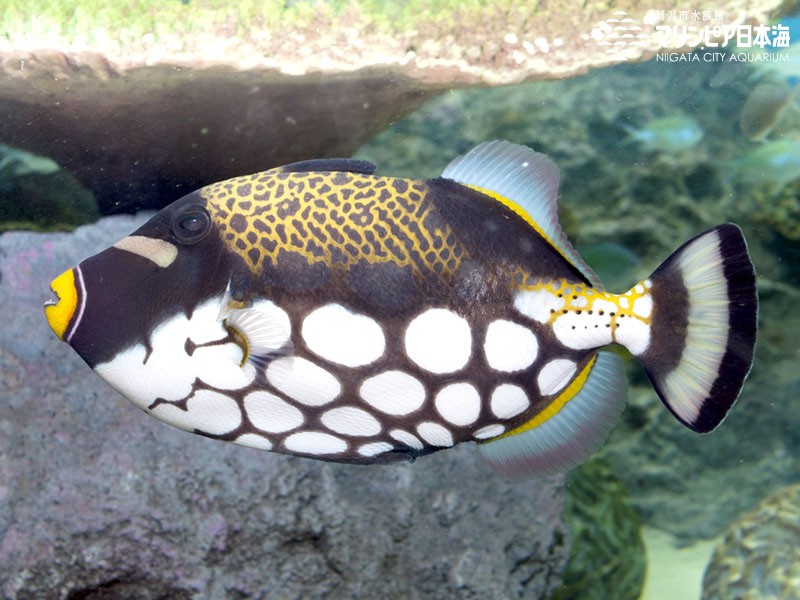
[(374, 449), (252, 440), (350, 420), (303, 381), (509, 346), (555, 375), (459, 403), (269, 413), (489, 431), (169, 371), (439, 341), (508, 400), (404, 437), (537, 304), (393, 392), (206, 411), (315, 442), (434, 434), (342, 336)]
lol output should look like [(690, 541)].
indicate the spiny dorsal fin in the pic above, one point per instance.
[(527, 182), (324, 165)]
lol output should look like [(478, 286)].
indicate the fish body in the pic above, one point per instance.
[(670, 135), (320, 310), (774, 163)]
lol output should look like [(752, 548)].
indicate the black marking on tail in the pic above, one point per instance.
[(704, 327)]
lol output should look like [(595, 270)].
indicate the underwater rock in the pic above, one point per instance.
[(759, 557), (97, 500), (144, 106)]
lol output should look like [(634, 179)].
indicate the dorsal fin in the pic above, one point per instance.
[(349, 165), (527, 182)]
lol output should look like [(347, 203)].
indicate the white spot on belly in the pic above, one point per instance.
[(508, 401), (303, 380), (252, 440), (342, 336), (315, 442), (439, 341), (434, 434), (538, 304), (393, 392), (374, 448), (350, 420), (170, 371), (269, 413), (206, 411), (404, 437), (459, 403), (510, 347), (555, 375), (489, 431)]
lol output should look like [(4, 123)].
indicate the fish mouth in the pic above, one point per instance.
[(62, 310), (52, 301)]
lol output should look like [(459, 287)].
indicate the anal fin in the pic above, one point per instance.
[(583, 416)]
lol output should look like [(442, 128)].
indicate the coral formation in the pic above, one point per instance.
[(759, 557)]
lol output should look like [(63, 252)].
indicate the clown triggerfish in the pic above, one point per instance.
[(319, 310)]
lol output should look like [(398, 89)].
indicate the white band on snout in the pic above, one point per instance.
[(160, 252)]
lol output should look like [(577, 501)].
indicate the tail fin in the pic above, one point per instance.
[(703, 328)]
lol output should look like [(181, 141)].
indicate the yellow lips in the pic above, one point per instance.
[(59, 313)]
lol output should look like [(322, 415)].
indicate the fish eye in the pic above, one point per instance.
[(191, 224)]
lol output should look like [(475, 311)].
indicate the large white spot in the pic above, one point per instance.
[(555, 375), (508, 401), (538, 304), (303, 381), (374, 448), (206, 411), (404, 437), (252, 440), (434, 434), (342, 336), (350, 420), (439, 341), (459, 403), (315, 442), (510, 347), (393, 392), (269, 413), (489, 431)]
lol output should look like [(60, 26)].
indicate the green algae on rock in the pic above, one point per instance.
[(607, 559)]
